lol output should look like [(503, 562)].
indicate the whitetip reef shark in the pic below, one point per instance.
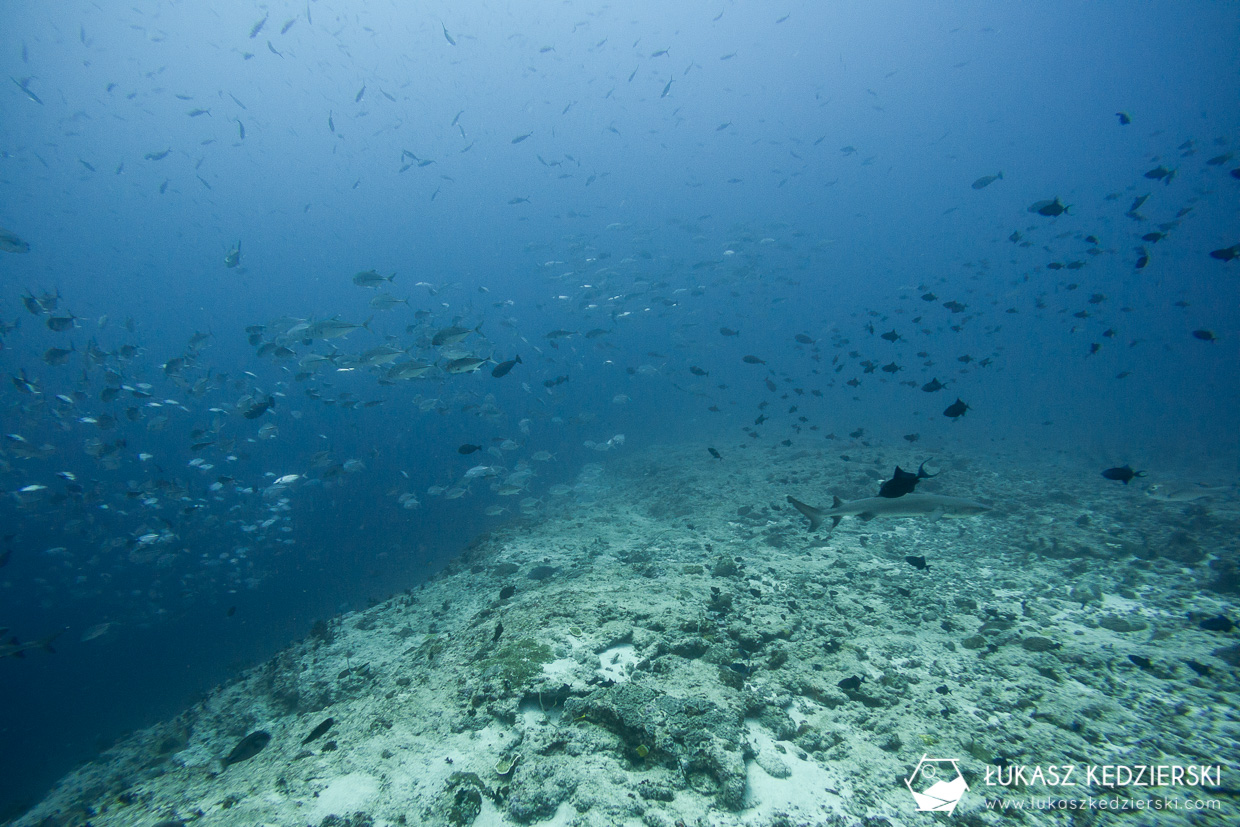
[(910, 505)]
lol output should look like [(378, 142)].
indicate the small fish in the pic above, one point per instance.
[(903, 482), (258, 27), (956, 409), (249, 746), (912, 505), (1226, 253), (1123, 474), (288, 25), (932, 386), (318, 730), (851, 684), (371, 278), (11, 243), (891, 336), (503, 367), (727, 331), (696, 371), (194, 113), (24, 85), (361, 93), (467, 449), (233, 258), (447, 36), (1205, 335), (1161, 173), (666, 89), (157, 156), (986, 180), (753, 360), (1049, 209), (257, 409), (521, 138), (714, 453), (918, 562), (1221, 623), (1124, 118)]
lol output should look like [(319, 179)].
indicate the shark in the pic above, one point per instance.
[(12, 649), (910, 505)]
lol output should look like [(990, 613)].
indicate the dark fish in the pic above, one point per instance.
[(1124, 118), (361, 93), (696, 371), (468, 449), (249, 746), (319, 730), (1143, 258), (918, 562), (1141, 661), (891, 336), (956, 409), (57, 356), (1226, 253), (521, 138), (903, 482), (1161, 173), (1205, 335), (955, 306), (891, 367), (666, 89), (727, 331), (259, 408), (1050, 209), (1122, 474), (932, 386), (1222, 623), (447, 36), (986, 180), (753, 360), (157, 156), (804, 339), (714, 453), (10, 243), (258, 27), (503, 367), (851, 684)]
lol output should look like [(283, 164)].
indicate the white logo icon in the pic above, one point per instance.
[(936, 784)]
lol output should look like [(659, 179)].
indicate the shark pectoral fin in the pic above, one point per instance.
[(835, 521), (937, 514), (814, 515), (865, 516)]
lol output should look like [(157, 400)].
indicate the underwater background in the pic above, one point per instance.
[(252, 242)]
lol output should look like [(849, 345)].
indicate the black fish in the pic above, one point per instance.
[(1140, 661), (890, 335), (319, 730), (1050, 209), (250, 746), (1205, 335), (752, 360), (917, 562), (851, 684), (468, 449), (696, 371), (714, 453), (259, 408), (1226, 253), (1123, 474), (932, 386), (903, 482), (727, 331), (503, 367), (1222, 623), (1124, 118), (956, 409)]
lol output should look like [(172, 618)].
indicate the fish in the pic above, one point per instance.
[(332, 329), (233, 258), (1219, 623), (331, 124), (503, 367), (1171, 492), (1050, 209), (361, 93), (727, 331), (454, 334), (468, 449), (891, 336), (521, 138), (714, 453), (447, 36), (158, 156), (12, 649), (11, 243), (57, 356), (666, 89), (956, 409), (257, 409), (194, 113), (903, 482), (1124, 118), (932, 386), (912, 505), (918, 562), (1223, 254), (465, 364), (1205, 335), (752, 360), (851, 684), (1161, 173), (696, 371), (386, 301), (248, 747), (24, 85), (258, 27), (1123, 474), (318, 730), (986, 180), (371, 278)]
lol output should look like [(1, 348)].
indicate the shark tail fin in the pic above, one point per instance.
[(922, 475), (815, 516)]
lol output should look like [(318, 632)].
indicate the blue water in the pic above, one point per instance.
[(807, 171)]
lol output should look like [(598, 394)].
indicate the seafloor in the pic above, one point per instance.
[(666, 646)]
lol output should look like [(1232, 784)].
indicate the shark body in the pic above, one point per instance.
[(910, 505)]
